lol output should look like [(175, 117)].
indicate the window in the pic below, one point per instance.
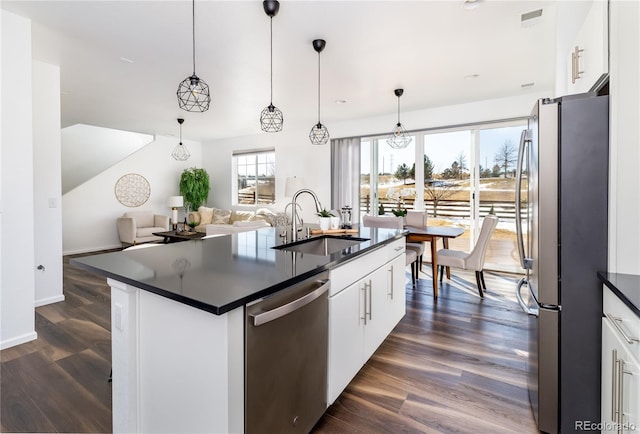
[(255, 173)]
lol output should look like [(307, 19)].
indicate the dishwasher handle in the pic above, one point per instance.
[(280, 311)]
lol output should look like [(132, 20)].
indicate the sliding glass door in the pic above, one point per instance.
[(461, 175)]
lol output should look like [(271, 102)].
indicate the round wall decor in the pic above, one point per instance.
[(132, 190)]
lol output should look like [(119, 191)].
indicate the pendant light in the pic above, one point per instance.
[(319, 134), (398, 138), (180, 152), (271, 118), (193, 92)]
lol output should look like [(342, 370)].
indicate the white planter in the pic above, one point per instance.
[(324, 222)]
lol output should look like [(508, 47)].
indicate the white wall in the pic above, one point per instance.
[(46, 183), (89, 212), (624, 199), (17, 322), (295, 156)]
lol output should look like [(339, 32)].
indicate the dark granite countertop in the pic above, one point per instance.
[(625, 286), (222, 273)]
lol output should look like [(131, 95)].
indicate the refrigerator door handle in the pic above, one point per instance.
[(523, 305), (525, 138)]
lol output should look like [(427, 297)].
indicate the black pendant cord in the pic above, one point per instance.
[(271, 57), (398, 110), (319, 88), (193, 32)]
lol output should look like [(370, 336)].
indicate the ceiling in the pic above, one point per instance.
[(429, 48)]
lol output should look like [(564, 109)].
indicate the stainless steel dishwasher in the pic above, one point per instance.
[(286, 338)]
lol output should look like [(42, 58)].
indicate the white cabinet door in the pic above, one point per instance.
[(589, 56), (397, 290), (377, 309), (346, 338), (620, 384)]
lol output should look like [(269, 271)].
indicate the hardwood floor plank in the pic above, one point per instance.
[(18, 412), (55, 342), (68, 406), (92, 372)]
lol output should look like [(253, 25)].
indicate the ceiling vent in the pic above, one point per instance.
[(531, 18)]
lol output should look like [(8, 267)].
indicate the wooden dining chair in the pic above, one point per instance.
[(473, 260), (392, 222)]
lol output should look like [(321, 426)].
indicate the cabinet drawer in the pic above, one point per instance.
[(349, 272), (626, 322), (396, 248)]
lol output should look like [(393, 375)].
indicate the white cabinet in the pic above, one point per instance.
[(363, 314), (620, 373), (588, 59)]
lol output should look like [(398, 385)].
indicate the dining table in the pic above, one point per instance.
[(430, 234)]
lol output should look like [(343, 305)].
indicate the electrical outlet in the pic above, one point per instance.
[(117, 317)]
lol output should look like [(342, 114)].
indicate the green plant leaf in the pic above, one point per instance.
[(194, 187)]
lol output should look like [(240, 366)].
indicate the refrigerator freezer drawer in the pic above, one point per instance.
[(548, 365)]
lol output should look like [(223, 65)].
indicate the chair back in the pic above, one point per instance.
[(416, 218), (380, 221), (475, 260)]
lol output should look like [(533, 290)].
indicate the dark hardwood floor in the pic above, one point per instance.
[(456, 365)]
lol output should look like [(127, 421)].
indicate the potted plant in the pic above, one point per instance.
[(325, 219), (194, 188)]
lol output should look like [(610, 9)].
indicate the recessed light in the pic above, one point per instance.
[(470, 4), (124, 59), (341, 101), (471, 76)]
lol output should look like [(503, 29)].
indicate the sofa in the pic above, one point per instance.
[(136, 227), (213, 221)]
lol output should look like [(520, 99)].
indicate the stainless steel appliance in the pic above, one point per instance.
[(563, 171), (286, 338)]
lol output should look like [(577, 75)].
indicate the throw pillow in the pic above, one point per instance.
[(206, 215), (240, 216), (220, 216)]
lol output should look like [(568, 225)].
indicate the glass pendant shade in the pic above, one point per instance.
[(319, 134), (180, 152), (398, 139), (193, 92), (271, 118)]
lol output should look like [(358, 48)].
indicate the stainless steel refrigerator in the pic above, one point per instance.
[(562, 176)]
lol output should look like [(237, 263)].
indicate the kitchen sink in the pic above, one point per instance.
[(322, 246)]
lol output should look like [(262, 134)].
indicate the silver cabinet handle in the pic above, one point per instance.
[(397, 249), (391, 286), (620, 394), (617, 323), (614, 385), (575, 64), (370, 297), (364, 308), (280, 311)]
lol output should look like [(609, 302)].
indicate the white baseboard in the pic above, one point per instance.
[(91, 249), (27, 337), (49, 300)]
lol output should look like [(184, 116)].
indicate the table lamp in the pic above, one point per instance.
[(174, 202)]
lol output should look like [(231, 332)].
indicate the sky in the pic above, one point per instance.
[(443, 149)]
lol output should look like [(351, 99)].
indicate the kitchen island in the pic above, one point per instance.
[(178, 320)]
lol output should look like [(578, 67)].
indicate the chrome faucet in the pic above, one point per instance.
[(294, 214)]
